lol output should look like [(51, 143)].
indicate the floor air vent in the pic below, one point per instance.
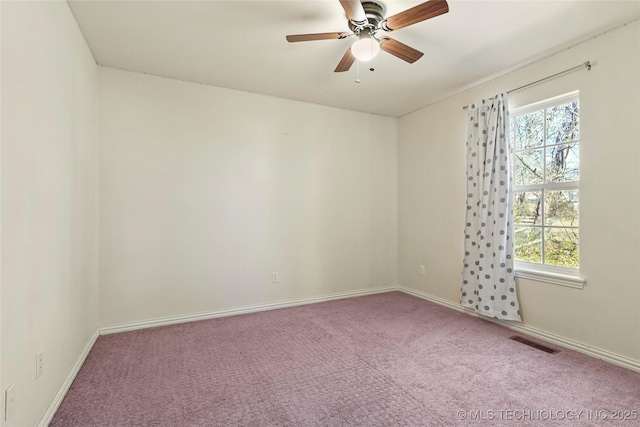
[(534, 344)]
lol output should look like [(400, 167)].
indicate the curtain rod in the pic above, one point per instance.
[(586, 65)]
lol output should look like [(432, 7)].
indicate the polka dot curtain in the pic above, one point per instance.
[(488, 277)]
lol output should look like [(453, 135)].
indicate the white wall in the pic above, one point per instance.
[(431, 163), (205, 191), (49, 201)]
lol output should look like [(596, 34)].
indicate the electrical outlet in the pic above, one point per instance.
[(9, 402), (422, 270), (39, 364), (274, 277)]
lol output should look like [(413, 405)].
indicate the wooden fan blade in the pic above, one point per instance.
[(354, 11), (401, 50), (346, 62), (416, 14), (318, 36)]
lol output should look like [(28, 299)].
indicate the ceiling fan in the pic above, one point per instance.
[(366, 19)]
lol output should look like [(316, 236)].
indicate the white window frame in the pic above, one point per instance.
[(564, 276)]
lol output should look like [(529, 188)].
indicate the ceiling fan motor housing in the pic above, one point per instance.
[(374, 11)]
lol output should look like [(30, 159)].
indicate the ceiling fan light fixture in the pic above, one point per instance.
[(365, 49)]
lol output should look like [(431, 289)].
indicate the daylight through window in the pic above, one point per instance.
[(545, 147)]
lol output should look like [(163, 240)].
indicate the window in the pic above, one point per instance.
[(545, 147)]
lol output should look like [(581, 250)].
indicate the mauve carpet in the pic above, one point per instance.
[(382, 360)]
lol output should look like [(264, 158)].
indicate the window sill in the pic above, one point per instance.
[(553, 278)]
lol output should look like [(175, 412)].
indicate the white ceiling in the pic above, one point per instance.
[(241, 45)]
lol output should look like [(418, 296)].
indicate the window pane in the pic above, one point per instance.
[(561, 247), (528, 244), (529, 130), (563, 162), (561, 208), (527, 208), (528, 167), (563, 123)]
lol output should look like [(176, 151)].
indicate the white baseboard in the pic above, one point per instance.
[(598, 353), (173, 320), (64, 388)]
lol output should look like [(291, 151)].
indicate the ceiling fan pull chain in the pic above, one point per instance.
[(371, 44), (358, 71)]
